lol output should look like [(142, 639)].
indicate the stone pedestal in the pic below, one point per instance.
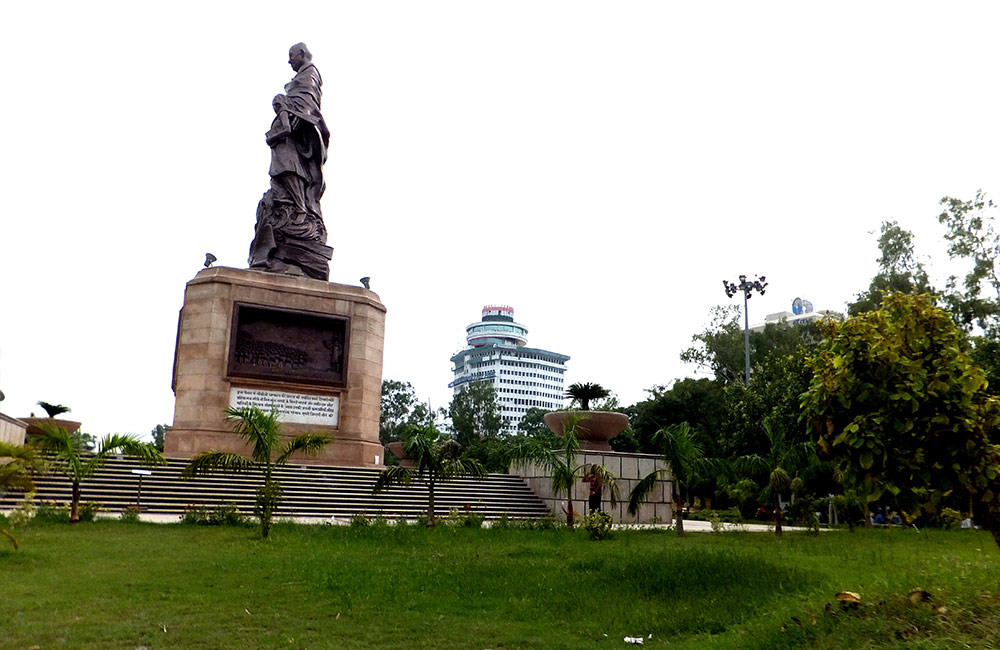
[(629, 468), (310, 348)]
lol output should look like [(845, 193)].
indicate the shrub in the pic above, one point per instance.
[(53, 512), (464, 518), (501, 523), (130, 514), (224, 514), (24, 512), (597, 524), (88, 511), (359, 520), (950, 518), (195, 515)]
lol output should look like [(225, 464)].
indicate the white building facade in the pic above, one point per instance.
[(498, 353)]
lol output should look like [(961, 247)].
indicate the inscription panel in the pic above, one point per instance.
[(288, 345), (298, 408)]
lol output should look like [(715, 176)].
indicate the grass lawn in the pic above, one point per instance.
[(112, 584)]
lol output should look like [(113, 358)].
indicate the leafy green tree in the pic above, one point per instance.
[(54, 410), (897, 402), (679, 446), (719, 348), (475, 413), (973, 235), (400, 408), (585, 393), (17, 464), (437, 459), (70, 457), (771, 399), (699, 402), (262, 431), (158, 434), (561, 463), (779, 466), (899, 269)]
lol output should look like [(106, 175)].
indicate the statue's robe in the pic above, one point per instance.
[(290, 233)]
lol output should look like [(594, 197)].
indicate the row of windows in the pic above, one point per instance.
[(535, 366), (498, 328), (521, 391)]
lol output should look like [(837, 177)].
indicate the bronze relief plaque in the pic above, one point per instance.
[(288, 345)]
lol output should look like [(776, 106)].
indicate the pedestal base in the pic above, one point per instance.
[(309, 348)]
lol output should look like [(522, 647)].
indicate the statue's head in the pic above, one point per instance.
[(298, 56)]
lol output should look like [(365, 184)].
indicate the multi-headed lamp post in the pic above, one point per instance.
[(747, 287)]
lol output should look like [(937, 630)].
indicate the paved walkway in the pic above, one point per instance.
[(690, 525)]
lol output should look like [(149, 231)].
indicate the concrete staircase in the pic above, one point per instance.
[(309, 492)]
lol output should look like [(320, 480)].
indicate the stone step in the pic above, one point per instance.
[(309, 491)]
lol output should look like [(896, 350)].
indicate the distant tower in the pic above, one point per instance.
[(523, 377)]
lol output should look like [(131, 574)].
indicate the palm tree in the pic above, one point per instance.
[(780, 463), (437, 459), (263, 432), (17, 463), (561, 463), (679, 447), (586, 392), (54, 409), (71, 458)]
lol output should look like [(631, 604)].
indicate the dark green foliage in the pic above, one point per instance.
[(399, 409), (475, 413), (699, 402), (158, 434), (585, 393), (54, 410)]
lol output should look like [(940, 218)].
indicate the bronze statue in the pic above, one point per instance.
[(290, 236)]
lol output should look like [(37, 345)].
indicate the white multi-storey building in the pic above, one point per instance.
[(523, 377)]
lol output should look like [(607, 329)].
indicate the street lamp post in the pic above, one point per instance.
[(747, 287)]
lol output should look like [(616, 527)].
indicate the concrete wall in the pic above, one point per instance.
[(629, 468), (11, 430)]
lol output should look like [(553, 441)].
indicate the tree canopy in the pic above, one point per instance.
[(896, 400)]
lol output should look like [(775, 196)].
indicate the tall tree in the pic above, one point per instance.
[(267, 451), (561, 464), (70, 456), (159, 434), (896, 400), (699, 402), (437, 459), (475, 413), (899, 269), (54, 410), (399, 399), (972, 235), (778, 466), (679, 446)]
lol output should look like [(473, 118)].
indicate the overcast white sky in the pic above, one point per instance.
[(599, 166)]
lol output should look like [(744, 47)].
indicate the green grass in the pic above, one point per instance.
[(115, 585)]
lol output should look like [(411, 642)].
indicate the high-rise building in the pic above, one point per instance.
[(523, 377)]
